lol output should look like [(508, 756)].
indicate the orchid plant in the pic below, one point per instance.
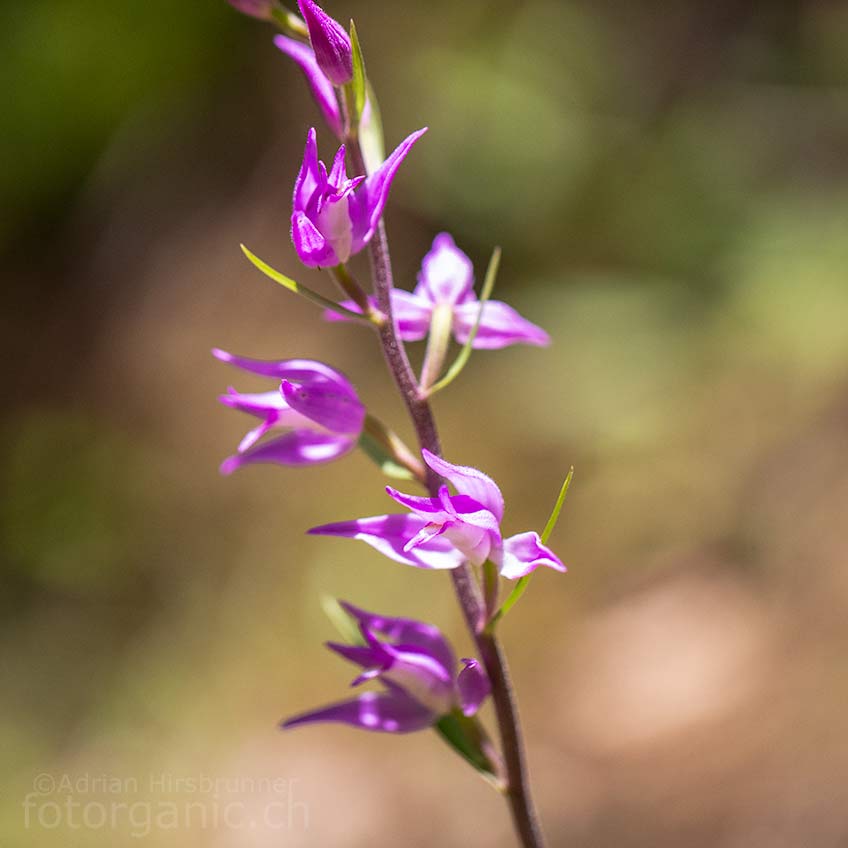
[(312, 414)]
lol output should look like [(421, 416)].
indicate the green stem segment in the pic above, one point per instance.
[(438, 341), (348, 284), (468, 592)]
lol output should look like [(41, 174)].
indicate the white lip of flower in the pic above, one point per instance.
[(334, 224)]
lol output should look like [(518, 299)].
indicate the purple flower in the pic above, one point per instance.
[(330, 43), (315, 405), (417, 667), (445, 531), (446, 281), (335, 217), (255, 8)]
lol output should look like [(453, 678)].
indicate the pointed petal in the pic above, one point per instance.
[(500, 326), (283, 369), (388, 712), (300, 447), (524, 553), (366, 205), (406, 631), (389, 533), (312, 248), (330, 42), (326, 404), (322, 89), (360, 654), (338, 175), (473, 685), (254, 435), (469, 481), (310, 178), (431, 509), (412, 315), (447, 275)]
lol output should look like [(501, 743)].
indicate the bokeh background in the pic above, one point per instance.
[(669, 182)]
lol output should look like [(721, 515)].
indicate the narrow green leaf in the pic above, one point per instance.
[(512, 600), (359, 78), (521, 585), (465, 354), (303, 291), (341, 620), (554, 517)]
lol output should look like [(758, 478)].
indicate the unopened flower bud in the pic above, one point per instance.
[(330, 43)]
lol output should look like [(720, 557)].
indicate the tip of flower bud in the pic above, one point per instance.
[(330, 43)]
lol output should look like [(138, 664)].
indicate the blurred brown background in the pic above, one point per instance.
[(669, 183)]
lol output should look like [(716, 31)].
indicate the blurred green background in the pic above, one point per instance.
[(669, 183)]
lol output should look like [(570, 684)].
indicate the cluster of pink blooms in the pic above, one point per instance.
[(313, 414)]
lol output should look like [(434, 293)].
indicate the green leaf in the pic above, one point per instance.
[(303, 291), (341, 620), (465, 354), (359, 79), (463, 734), (554, 517)]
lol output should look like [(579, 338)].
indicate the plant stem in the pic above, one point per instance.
[(468, 592)]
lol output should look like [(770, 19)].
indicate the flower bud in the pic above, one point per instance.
[(330, 43)]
